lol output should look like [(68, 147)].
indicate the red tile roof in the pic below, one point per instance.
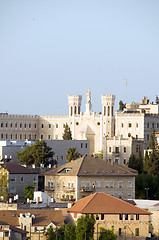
[(100, 202)]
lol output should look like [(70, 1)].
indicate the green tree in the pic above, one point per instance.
[(67, 135), (85, 227), (51, 234), (121, 105), (72, 154), (70, 232), (151, 161), (29, 191), (38, 153), (136, 162), (3, 185), (106, 234)]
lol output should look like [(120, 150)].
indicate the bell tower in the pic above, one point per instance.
[(74, 102)]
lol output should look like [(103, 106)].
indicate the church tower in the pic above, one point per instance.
[(74, 102), (108, 102)]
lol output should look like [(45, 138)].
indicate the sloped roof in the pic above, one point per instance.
[(100, 202), (14, 168), (42, 217), (90, 166)]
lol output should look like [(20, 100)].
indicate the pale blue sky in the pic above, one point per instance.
[(49, 49)]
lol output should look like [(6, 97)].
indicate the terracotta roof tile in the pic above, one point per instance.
[(103, 203), (42, 217), (90, 166)]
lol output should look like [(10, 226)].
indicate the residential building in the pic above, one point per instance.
[(35, 222), (9, 149), (127, 220), (82, 177), (119, 149), (8, 232), (19, 177)]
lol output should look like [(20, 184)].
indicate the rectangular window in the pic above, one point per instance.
[(12, 179), (86, 145), (137, 125), (6, 125), (120, 231), (12, 190), (124, 149), (16, 125), (42, 125), (129, 184), (120, 216), (35, 125), (29, 125), (111, 184), (25, 125), (22, 179), (49, 137), (106, 184), (20, 125), (41, 136), (126, 216), (117, 150), (98, 184), (57, 125), (120, 184), (148, 137), (110, 149), (49, 125), (81, 145), (20, 136), (1, 124), (16, 136), (136, 231), (132, 217), (122, 125), (11, 125), (61, 158), (102, 216), (130, 125), (1, 135), (148, 125), (137, 216)]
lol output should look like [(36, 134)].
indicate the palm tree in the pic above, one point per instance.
[(72, 154)]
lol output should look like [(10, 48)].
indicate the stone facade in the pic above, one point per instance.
[(136, 120)]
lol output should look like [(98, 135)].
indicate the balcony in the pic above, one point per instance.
[(117, 154), (68, 189), (87, 189), (49, 189)]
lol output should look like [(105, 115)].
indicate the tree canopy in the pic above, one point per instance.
[(85, 227), (67, 135), (121, 105), (38, 153), (3, 185), (151, 161), (29, 191), (64, 232), (106, 234), (136, 162), (72, 154)]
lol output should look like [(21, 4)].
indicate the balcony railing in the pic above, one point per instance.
[(49, 188), (68, 189), (87, 189)]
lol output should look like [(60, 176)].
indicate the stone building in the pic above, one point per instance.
[(86, 125), (19, 177), (127, 221), (136, 121), (86, 175)]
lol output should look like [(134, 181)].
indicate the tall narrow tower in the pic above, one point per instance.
[(74, 102), (108, 102)]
